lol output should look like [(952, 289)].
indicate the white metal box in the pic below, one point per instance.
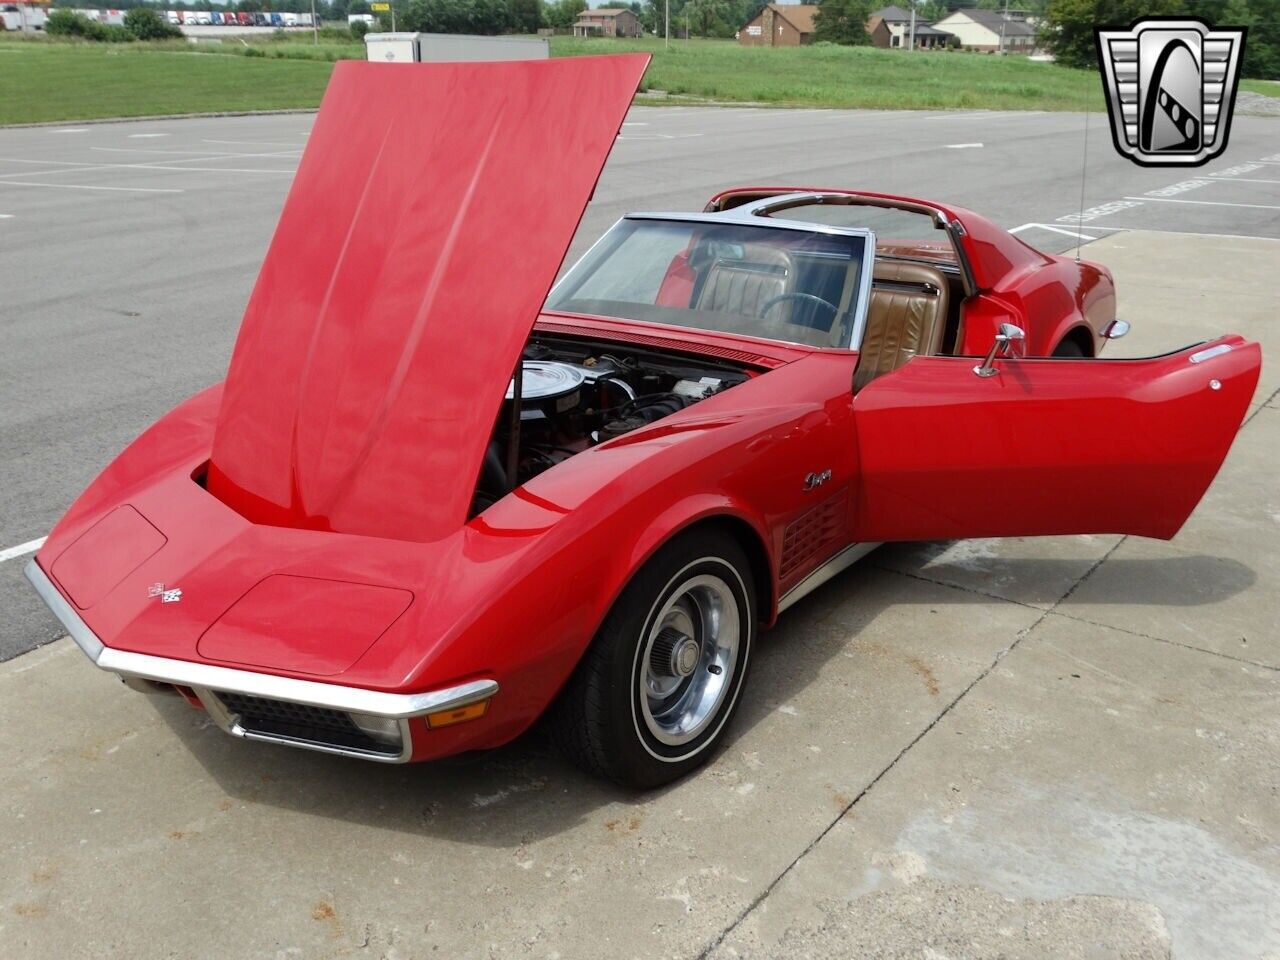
[(391, 47)]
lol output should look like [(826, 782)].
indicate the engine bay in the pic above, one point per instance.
[(575, 394)]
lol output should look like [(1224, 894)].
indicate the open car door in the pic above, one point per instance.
[(1047, 446)]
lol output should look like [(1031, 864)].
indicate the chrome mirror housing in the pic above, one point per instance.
[(1115, 329), (1006, 336)]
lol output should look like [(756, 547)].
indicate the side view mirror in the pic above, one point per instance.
[(1006, 336), (1115, 329)]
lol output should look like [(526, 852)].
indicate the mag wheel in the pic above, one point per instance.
[(655, 692)]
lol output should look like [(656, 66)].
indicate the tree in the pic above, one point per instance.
[(525, 16), (146, 24), (1069, 24), (66, 23), (843, 21), (562, 14), (711, 17)]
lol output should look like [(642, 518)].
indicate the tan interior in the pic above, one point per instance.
[(907, 316), (744, 286)]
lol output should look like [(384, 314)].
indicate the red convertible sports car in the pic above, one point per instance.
[(431, 503)]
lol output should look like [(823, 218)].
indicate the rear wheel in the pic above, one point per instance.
[(654, 693)]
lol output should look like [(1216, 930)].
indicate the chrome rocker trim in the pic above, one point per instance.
[(837, 564), (207, 680)]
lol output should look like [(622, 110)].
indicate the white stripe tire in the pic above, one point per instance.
[(656, 690)]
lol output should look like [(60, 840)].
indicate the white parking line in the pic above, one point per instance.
[(1214, 176), (987, 115), (146, 136), (1207, 203), (210, 154), (78, 186), (71, 130), (1051, 229), (74, 166), (155, 166), (659, 136), (6, 216), (1189, 233), (22, 549), (259, 143), (962, 146)]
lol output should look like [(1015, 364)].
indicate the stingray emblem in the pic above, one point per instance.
[(166, 596), (817, 479), (1171, 85)]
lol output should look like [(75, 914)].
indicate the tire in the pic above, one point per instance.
[(1069, 350), (605, 724)]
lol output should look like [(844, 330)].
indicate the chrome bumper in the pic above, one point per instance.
[(207, 681)]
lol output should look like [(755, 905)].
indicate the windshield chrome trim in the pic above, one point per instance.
[(735, 218)]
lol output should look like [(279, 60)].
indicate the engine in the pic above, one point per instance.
[(574, 395)]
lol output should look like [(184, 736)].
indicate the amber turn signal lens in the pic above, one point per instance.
[(447, 718)]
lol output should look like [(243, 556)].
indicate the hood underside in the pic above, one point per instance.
[(432, 208)]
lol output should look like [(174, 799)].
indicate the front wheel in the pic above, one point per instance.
[(654, 693)]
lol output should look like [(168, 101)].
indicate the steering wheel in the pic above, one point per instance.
[(803, 297)]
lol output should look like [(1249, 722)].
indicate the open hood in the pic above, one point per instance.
[(432, 208)]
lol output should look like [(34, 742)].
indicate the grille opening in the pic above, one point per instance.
[(297, 721)]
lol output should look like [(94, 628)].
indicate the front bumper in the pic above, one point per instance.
[(262, 706)]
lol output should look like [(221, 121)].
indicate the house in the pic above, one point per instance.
[(990, 30), (780, 25), (890, 27), (607, 22)]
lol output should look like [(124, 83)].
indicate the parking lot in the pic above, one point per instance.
[(1062, 747)]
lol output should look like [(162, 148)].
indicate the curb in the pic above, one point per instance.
[(157, 116)]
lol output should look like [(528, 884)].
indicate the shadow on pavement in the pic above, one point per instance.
[(526, 791)]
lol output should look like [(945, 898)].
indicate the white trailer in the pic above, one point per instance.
[(304, 19), (290, 19), (391, 47), (451, 48)]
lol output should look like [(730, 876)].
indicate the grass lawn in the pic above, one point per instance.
[(82, 81), (45, 80), (829, 76)]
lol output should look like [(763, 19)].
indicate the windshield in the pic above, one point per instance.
[(761, 281)]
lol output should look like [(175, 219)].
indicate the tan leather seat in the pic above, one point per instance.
[(744, 286), (907, 316)]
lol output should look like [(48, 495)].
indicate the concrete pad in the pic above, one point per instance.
[(1182, 288), (136, 828), (1037, 571), (1097, 795), (1216, 585)]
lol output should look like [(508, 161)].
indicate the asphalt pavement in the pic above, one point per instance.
[(1017, 748), (130, 248)]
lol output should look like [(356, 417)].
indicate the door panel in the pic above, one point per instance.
[(1047, 446)]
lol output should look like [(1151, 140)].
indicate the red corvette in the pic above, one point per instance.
[(374, 539)]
